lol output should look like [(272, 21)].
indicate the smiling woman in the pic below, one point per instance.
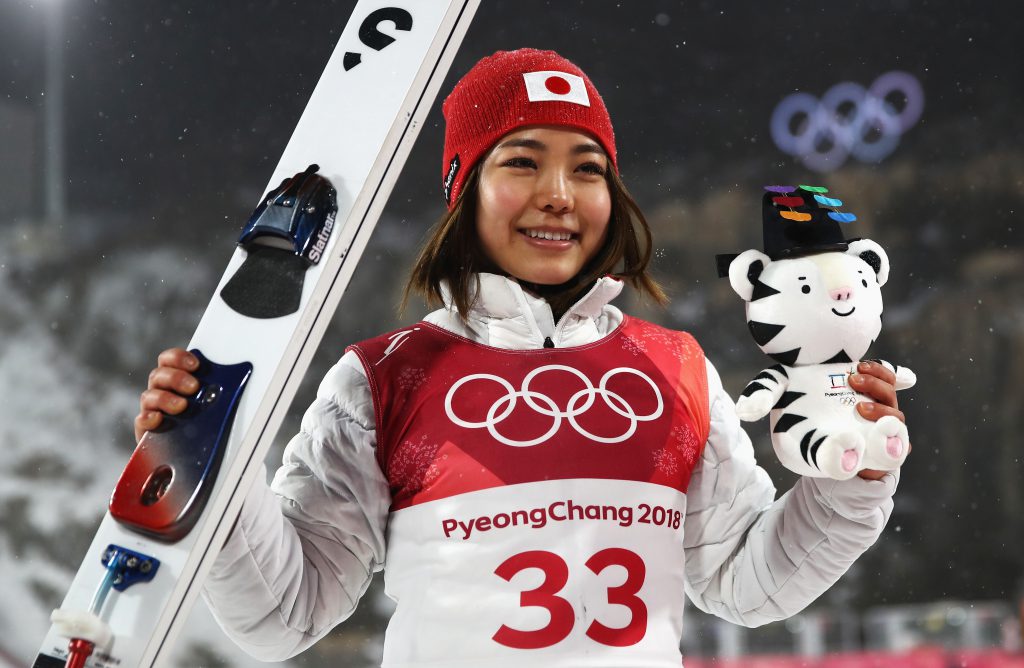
[(576, 410)]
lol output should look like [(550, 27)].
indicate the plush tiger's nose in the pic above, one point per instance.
[(841, 294)]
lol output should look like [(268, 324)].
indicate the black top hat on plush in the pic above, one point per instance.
[(797, 220)]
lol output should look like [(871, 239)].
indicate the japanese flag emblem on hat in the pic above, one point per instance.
[(549, 86)]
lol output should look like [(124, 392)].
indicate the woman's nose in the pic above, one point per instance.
[(554, 193)]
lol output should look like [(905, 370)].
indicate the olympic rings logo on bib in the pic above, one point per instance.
[(577, 405), (848, 120)]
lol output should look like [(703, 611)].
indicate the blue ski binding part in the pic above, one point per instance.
[(127, 567), (300, 212), (285, 235), (164, 488)]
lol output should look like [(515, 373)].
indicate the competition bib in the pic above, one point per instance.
[(538, 496)]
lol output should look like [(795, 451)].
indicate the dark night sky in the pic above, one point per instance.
[(173, 105)]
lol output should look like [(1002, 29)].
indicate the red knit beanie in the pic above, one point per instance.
[(510, 90)]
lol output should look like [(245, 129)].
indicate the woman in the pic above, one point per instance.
[(540, 477)]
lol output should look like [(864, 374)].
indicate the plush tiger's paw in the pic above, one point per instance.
[(841, 456), (888, 444), (754, 407)]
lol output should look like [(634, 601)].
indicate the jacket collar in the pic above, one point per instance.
[(505, 315)]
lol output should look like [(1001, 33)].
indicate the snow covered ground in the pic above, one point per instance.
[(70, 339)]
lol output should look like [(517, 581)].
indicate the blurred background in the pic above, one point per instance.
[(136, 137)]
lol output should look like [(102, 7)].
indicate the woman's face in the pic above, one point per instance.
[(543, 203)]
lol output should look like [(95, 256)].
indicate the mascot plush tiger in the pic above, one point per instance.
[(814, 304)]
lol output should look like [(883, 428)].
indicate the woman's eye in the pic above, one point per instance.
[(592, 168), (520, 162)]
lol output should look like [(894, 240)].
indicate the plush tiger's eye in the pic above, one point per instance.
[(805, 289)]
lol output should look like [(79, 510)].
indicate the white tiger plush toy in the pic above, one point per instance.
[(814, 304)]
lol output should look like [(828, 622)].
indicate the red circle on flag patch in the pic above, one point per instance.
[(557, 85)]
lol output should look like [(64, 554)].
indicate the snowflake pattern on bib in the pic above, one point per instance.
[(634, 345), (410, 378), (686, 441), (415, 464), (666, 461), (683, 350), (647, 338)]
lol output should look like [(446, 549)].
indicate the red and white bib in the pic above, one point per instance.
[(538, 495)]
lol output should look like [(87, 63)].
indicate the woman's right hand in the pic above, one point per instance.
[(168, 382)]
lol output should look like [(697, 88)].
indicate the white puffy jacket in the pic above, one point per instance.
[(304, 549)]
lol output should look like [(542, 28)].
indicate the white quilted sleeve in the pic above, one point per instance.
[(305, 549)]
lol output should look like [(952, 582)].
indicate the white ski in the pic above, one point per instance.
[(358, 126)]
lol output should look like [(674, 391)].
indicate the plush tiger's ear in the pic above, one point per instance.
[(745, 272), (872, 253)]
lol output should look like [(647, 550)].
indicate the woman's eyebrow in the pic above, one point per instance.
[(587, 147), (524, 143)]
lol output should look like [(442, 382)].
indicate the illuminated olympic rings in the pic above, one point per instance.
[(848, 120), (578, 404)]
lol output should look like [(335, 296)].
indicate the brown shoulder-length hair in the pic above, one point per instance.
[(452, 254)]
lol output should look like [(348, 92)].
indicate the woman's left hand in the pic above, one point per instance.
[(879, 383)]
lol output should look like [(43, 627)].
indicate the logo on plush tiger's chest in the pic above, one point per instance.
[(837, 380), (837, 389)]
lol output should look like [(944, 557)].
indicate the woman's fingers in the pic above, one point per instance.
[(147, 420), (172, 379), (162, 400), (870, 410), (877, 382), (153, 403), (178, 358), (878, 370)]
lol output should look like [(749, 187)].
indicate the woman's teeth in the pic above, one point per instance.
[(543, 234)]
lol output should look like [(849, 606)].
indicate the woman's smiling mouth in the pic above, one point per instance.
[(549, 235)]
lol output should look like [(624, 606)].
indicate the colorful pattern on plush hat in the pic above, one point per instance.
[(510, 90), (802, 219), (812, 197)]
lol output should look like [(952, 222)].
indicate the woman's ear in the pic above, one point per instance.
[(745, 270), (872, 253)]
